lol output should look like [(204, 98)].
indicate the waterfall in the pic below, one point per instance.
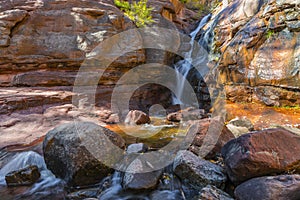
[(183, 67)]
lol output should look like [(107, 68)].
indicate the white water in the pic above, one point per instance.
[(183, 67), (44, 186)]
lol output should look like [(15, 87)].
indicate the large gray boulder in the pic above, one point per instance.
[(82, 153), (134, 180), (197, 171)]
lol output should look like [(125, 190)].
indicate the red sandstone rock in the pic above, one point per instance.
[(136, 117), (261, 153), (216, 143), (270, 187)]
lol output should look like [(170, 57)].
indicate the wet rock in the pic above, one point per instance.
[(187, 114), (83, 194), (212, 193), (261, 153), (137, 148), (198, 172), (136, 117), (215, 134), (270, 187), (25, 176), (166, 195), (82, 153), (140, 181)]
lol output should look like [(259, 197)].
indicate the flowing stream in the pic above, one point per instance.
[(48, 185)]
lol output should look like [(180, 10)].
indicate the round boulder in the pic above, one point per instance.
[(74, 152)]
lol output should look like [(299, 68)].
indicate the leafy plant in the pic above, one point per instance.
[(138, 12), (269, 33)]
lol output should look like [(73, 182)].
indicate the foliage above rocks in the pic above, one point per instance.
[(138, 12)]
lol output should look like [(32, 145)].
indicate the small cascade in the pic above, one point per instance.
[(205, 39), (183, 67), (45, 186), (114, 189)]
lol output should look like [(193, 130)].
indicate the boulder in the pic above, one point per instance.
[(133, 180), (137, 148), (82, 153), (83, 194), (25, 176), (212, 193), (198, 172), (242, 122), (237, 130), (280, 187), (136, 117), (261, 153), (211, 125), (187, 114), (166, 194), (240, 126)]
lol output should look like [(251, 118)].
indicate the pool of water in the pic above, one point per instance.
[(156, 135)]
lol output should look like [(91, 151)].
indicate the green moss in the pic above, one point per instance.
[(138, 12)]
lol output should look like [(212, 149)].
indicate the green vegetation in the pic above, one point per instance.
[(196, 5), (296, 107), (269, 33), (137, 11)]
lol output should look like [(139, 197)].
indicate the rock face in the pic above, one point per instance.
[(43, 44), (137, 117), (73, 152), (257, 50), (261, 153), (202, 134), (198, 172), (270, 187), (25, 176)]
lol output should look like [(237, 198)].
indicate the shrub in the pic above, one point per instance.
[(137, 11)]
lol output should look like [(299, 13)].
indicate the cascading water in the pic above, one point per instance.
[(47, 185), (183, 67)]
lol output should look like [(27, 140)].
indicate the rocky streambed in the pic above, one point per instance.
[(55, 144), (70, 164)]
